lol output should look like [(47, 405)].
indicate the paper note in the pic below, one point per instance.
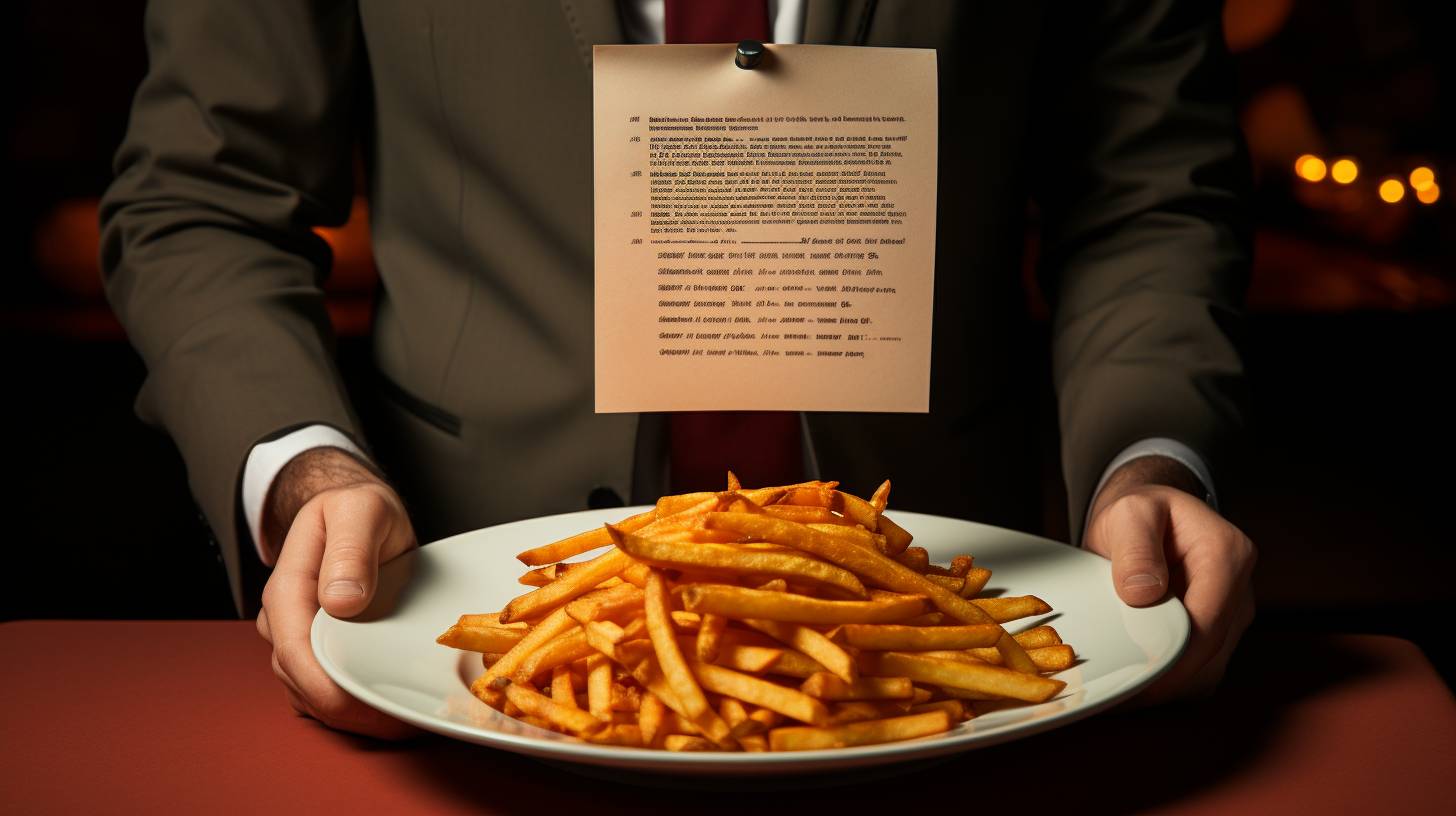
[(765, 239)]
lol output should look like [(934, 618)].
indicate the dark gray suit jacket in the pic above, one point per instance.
[(1114, 117)]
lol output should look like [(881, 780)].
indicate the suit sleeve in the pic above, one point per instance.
[(1145, 247), (239, 144)]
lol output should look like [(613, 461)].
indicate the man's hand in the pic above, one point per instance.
[(1160, 536), (338, 521)]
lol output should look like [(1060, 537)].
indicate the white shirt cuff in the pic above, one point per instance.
[(267, 459), (1157, 446)]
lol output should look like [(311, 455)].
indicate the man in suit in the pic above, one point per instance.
[(475, 118)]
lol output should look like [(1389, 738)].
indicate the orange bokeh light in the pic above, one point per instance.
[(1421, 178), (1344, 171), (1309, 167), (1429, 194), (1391, 191)]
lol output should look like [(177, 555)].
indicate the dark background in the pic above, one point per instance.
[(1345, 482)]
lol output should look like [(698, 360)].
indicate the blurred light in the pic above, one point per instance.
[(1421, 178), (1429, 193), (1344, 171), (1391, 191), (1309, 168)]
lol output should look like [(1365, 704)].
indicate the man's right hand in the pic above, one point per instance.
[(338, 521)]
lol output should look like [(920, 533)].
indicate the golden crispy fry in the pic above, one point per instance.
[(867, 732), (601, 604), (733, 485), (918, 638), (581, 542), (561, 689), (740, 603), (774, 585), (868, 565), (960, 565), (536, 704), (812, 644), (862, 537), (916, 558), (628, 735), (736, 715), (682, 742), (955, 708), (670, 660), (981, 677), (710, 635), (738, 656), (826, 686), (551, 626), (599, 686), (950, 582), (896, 538), (649, 719), (490, 619), (563, 649), (976, 578), (480, 638), (1052, 658), (1039, 636), (1009, 609), (928, 619), (567, 587), (754, 743), (857, 710), (704, 556), (750, 689), (539, 577), (796, 664), (881, 497), (805, 515)]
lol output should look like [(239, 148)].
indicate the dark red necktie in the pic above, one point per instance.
[(760, 447)]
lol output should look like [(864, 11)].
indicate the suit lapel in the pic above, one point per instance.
[(837, 22), (593, 22)]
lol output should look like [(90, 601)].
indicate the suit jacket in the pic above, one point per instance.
[(475, 120)]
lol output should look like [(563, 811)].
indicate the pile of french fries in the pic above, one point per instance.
[(770, 619)]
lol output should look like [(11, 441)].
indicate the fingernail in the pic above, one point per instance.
[(1142, 579), (344, 589)]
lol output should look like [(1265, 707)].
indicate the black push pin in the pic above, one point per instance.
[(750, 54)]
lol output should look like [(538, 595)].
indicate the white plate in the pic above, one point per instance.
[(388, 658)]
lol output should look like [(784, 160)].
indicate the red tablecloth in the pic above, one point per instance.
[(168, 717)]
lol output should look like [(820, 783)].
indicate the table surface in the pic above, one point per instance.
[(124, 717)]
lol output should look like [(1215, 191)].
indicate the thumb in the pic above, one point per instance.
[(356, 522), (1131, 532)]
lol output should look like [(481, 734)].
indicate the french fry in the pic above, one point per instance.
[(750, 689), (682, 742), (569, 646), (897, 540), (628, 735), (696, 555), (805, 515), (868, 732), (826, 686), (649, 719), (1052, 658), (1003, 610), (960, 565), (976, 578), (561, 688), (950, 582), (602, 604), (795, 664), (567, 587), (536, 704), (738, 656), (918, 638), (916, 558), (733, 485), (812, 644), (955, 708), (981, 677), (1038, 636), (857, 710), (881, 497), (581, 542), (710, 636), (549, 627), (670, 660), (480, 638), (868, 565), (740, 603), (599, 687)]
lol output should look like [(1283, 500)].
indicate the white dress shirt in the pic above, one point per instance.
[(643, 24)]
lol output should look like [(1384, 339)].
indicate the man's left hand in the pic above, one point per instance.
[(1162, 538)]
